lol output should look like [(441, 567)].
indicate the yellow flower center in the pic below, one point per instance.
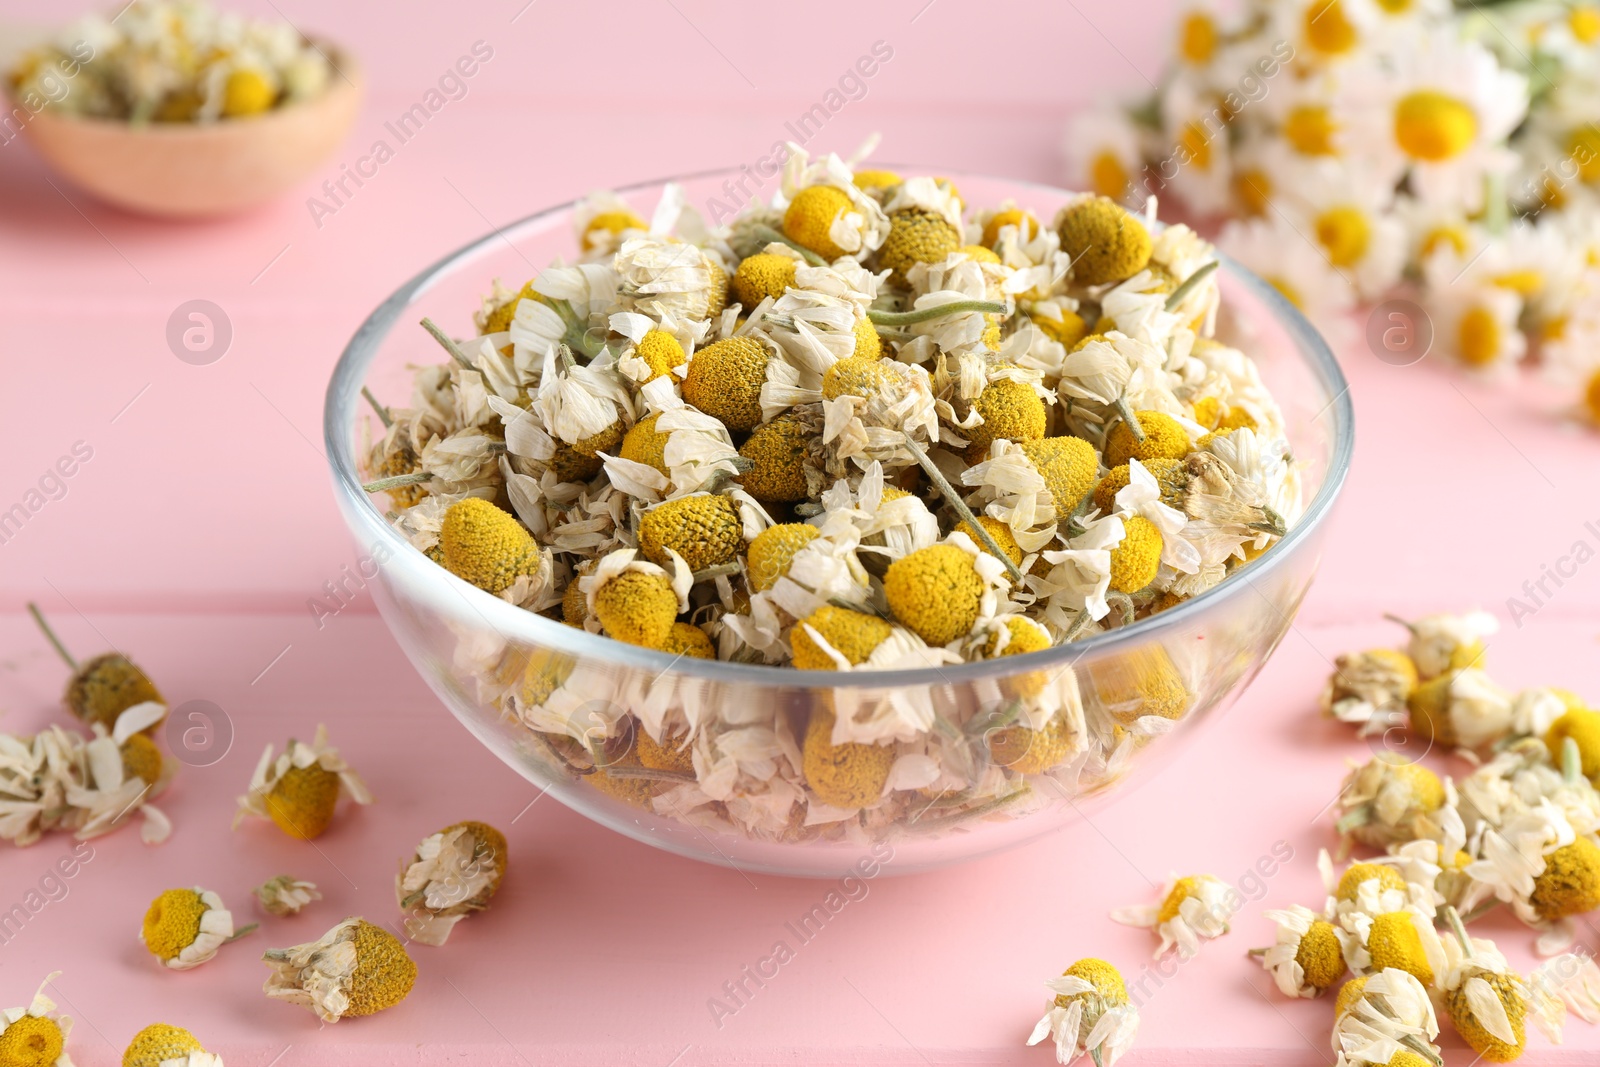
[(1439, 236), (302, 802), (1320, 956), (1525, 282), (31, 1041), (1108, 176), (1433, 126), (247, 93), (1591, 398), (1395, 7), (1252, 188), (1478, 337), (1193, 140), (173, 922), (1584, 22), (157, 1043), (1583, 146), (1309, 129), (1344, 234), (1359, 873), (1197, 39), (1394, 942), (611, 222), (1327, 29), (1181, 890)]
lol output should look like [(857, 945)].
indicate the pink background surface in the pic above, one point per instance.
[(203, 523)]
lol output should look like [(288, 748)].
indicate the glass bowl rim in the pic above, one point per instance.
[(518, 624)]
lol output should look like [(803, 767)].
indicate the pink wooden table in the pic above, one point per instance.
[(202, 524)]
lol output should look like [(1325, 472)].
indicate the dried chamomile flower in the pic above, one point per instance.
[(481, 544), (1370, 689), (1010, 408), (1089, 1013), (1027, 751), (1389, 800), (354, 969), (1163, 437), (782, 470), (1441, 643), (454, 873), (847, 775), (725, 380), (300, 789), (1308, 955), (937, 592), (916, 235), (1383, 1018), (635, 601), (285, 895), (1106, 242), (706, 530), (1461, 708), (1404, 940), (104, 687), (35, 1036), (1193, 908), (1368, 888), (1487, 1002), (164, 1045), (1582, 728), (831, 634), (184, 928)]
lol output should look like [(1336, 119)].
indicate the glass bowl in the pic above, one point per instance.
[(1132, 697)]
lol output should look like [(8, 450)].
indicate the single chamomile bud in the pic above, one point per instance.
[(356, 968), (1461, 708), (725, 380), (184, 928), (1570, 882), (1164, 438), (1583, 727), (849, 634), (848, 775), (163, 1045), (1308, 955), (285, 895), (916, 235), (104, 687), (481, 544), (1441, 643), (936, 592), (452, 874), (1105, 242), (1193, 908), (1370, 688), (1010, 409), (35, 1036), (1388, 801), (706, 530), (1089, 1013), (300, 789), (763, 275)]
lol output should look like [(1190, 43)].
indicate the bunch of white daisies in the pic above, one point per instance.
[(1364, 149)]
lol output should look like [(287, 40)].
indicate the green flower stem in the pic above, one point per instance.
[(955, 307), (769, 235), (959, 506), (445, 341), (383, 412), (1080, 624), (397, 481), (1125, 409), (44, 627), (1189, 285), (577, 332)]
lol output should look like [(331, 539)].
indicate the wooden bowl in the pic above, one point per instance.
[(188, 170)]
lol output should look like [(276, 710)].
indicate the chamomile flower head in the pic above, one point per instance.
[(1389, 800), (1025, 750), (486, 546), (870, 180), (1193, 908), (1441, 643), (602, 220), (782, 469), (1307, 957), (824, 209), (844, 775), (354, 969), (1369, 689), (1107, 243), (1582, 727), (1351, 220), (1461, 708), (916, 235), (1294, 267), (300, 788), (1010, 408), (725, 380), (774, 549), (1164, 438), (1136, 559), (1488, 1005), (763, 275), (1103, 151), (1089, 1012), (705, 529), (1379, 1016), (452, 874), (285, 895), (1403, 940), (1024, 222), (938, 592), (1570, 882), (35, 1036), (636, 605), (184, 928), (164, 1045), (1475, 324), (999, 532), (831, 633), (102, 688)]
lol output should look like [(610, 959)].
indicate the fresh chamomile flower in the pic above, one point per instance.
[(164, 1045), (354, 969), (1103, 151), (285, 895), (184, 928), (1582, 727), (1307, 957), (1389, 800), (1293, 266), (300, 789), (844, 774), (1350, 219), (1439, 110), (1321, 31), (1195, 141), (1089, 1013), (452, 874), (1107, 243), (1461, 709), (1193, 908), (1386, 1018), (1474, 323), (35, 1036), (1369, 689)]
